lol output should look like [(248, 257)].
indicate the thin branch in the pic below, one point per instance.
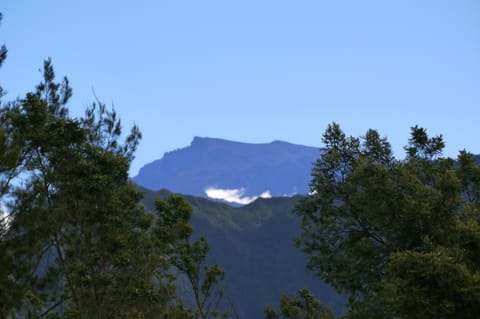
[(46, 312)]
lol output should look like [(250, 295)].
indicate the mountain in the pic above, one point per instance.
[(255, 245), (233, 171)]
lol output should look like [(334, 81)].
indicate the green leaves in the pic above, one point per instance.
[(79, 244), (432, 284), (56, 95), (420, 145), (371, 218), (306, 306)]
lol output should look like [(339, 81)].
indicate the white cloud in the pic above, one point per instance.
[(235, 195), (265, 194)]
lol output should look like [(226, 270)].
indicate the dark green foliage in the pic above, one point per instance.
[(78, 243), (400, 237), (432, 284), (304, 307), (77, 226)]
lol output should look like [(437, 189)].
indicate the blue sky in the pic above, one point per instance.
[(257, 71)]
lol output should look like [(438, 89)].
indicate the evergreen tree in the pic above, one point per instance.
[(78, 244), (399, 236)]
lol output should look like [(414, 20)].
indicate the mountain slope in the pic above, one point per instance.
[(254, 244), (278, 168)]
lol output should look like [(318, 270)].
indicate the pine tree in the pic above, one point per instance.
[(78, 243)]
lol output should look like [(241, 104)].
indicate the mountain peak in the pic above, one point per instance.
[(199, 140), (203, 140), (243, 170)]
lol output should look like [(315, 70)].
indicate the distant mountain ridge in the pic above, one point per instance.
[(245, 170)]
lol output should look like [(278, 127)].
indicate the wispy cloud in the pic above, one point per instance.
[(235, 195)]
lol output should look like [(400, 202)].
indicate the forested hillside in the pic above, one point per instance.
[(255, 246)]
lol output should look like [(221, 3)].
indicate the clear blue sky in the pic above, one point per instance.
[(257, 71)]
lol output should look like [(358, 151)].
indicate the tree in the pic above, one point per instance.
[(399, 236), (304, 307), (10, 156), (189, 258), (75, 213), (3, 56), (78, 243)]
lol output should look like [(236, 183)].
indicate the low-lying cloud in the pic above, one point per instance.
[(235, 195)]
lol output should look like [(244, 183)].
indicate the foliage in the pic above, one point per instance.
[(173, 233), (400, 237), (3, 56), (78, 243), (304, 307)]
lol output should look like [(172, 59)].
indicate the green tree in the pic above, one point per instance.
[(76, 216), (78, 243), (11, 155), (399, 236), (304, 307), (189, 258)]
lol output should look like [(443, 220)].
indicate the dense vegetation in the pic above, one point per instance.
[(400, 237)]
